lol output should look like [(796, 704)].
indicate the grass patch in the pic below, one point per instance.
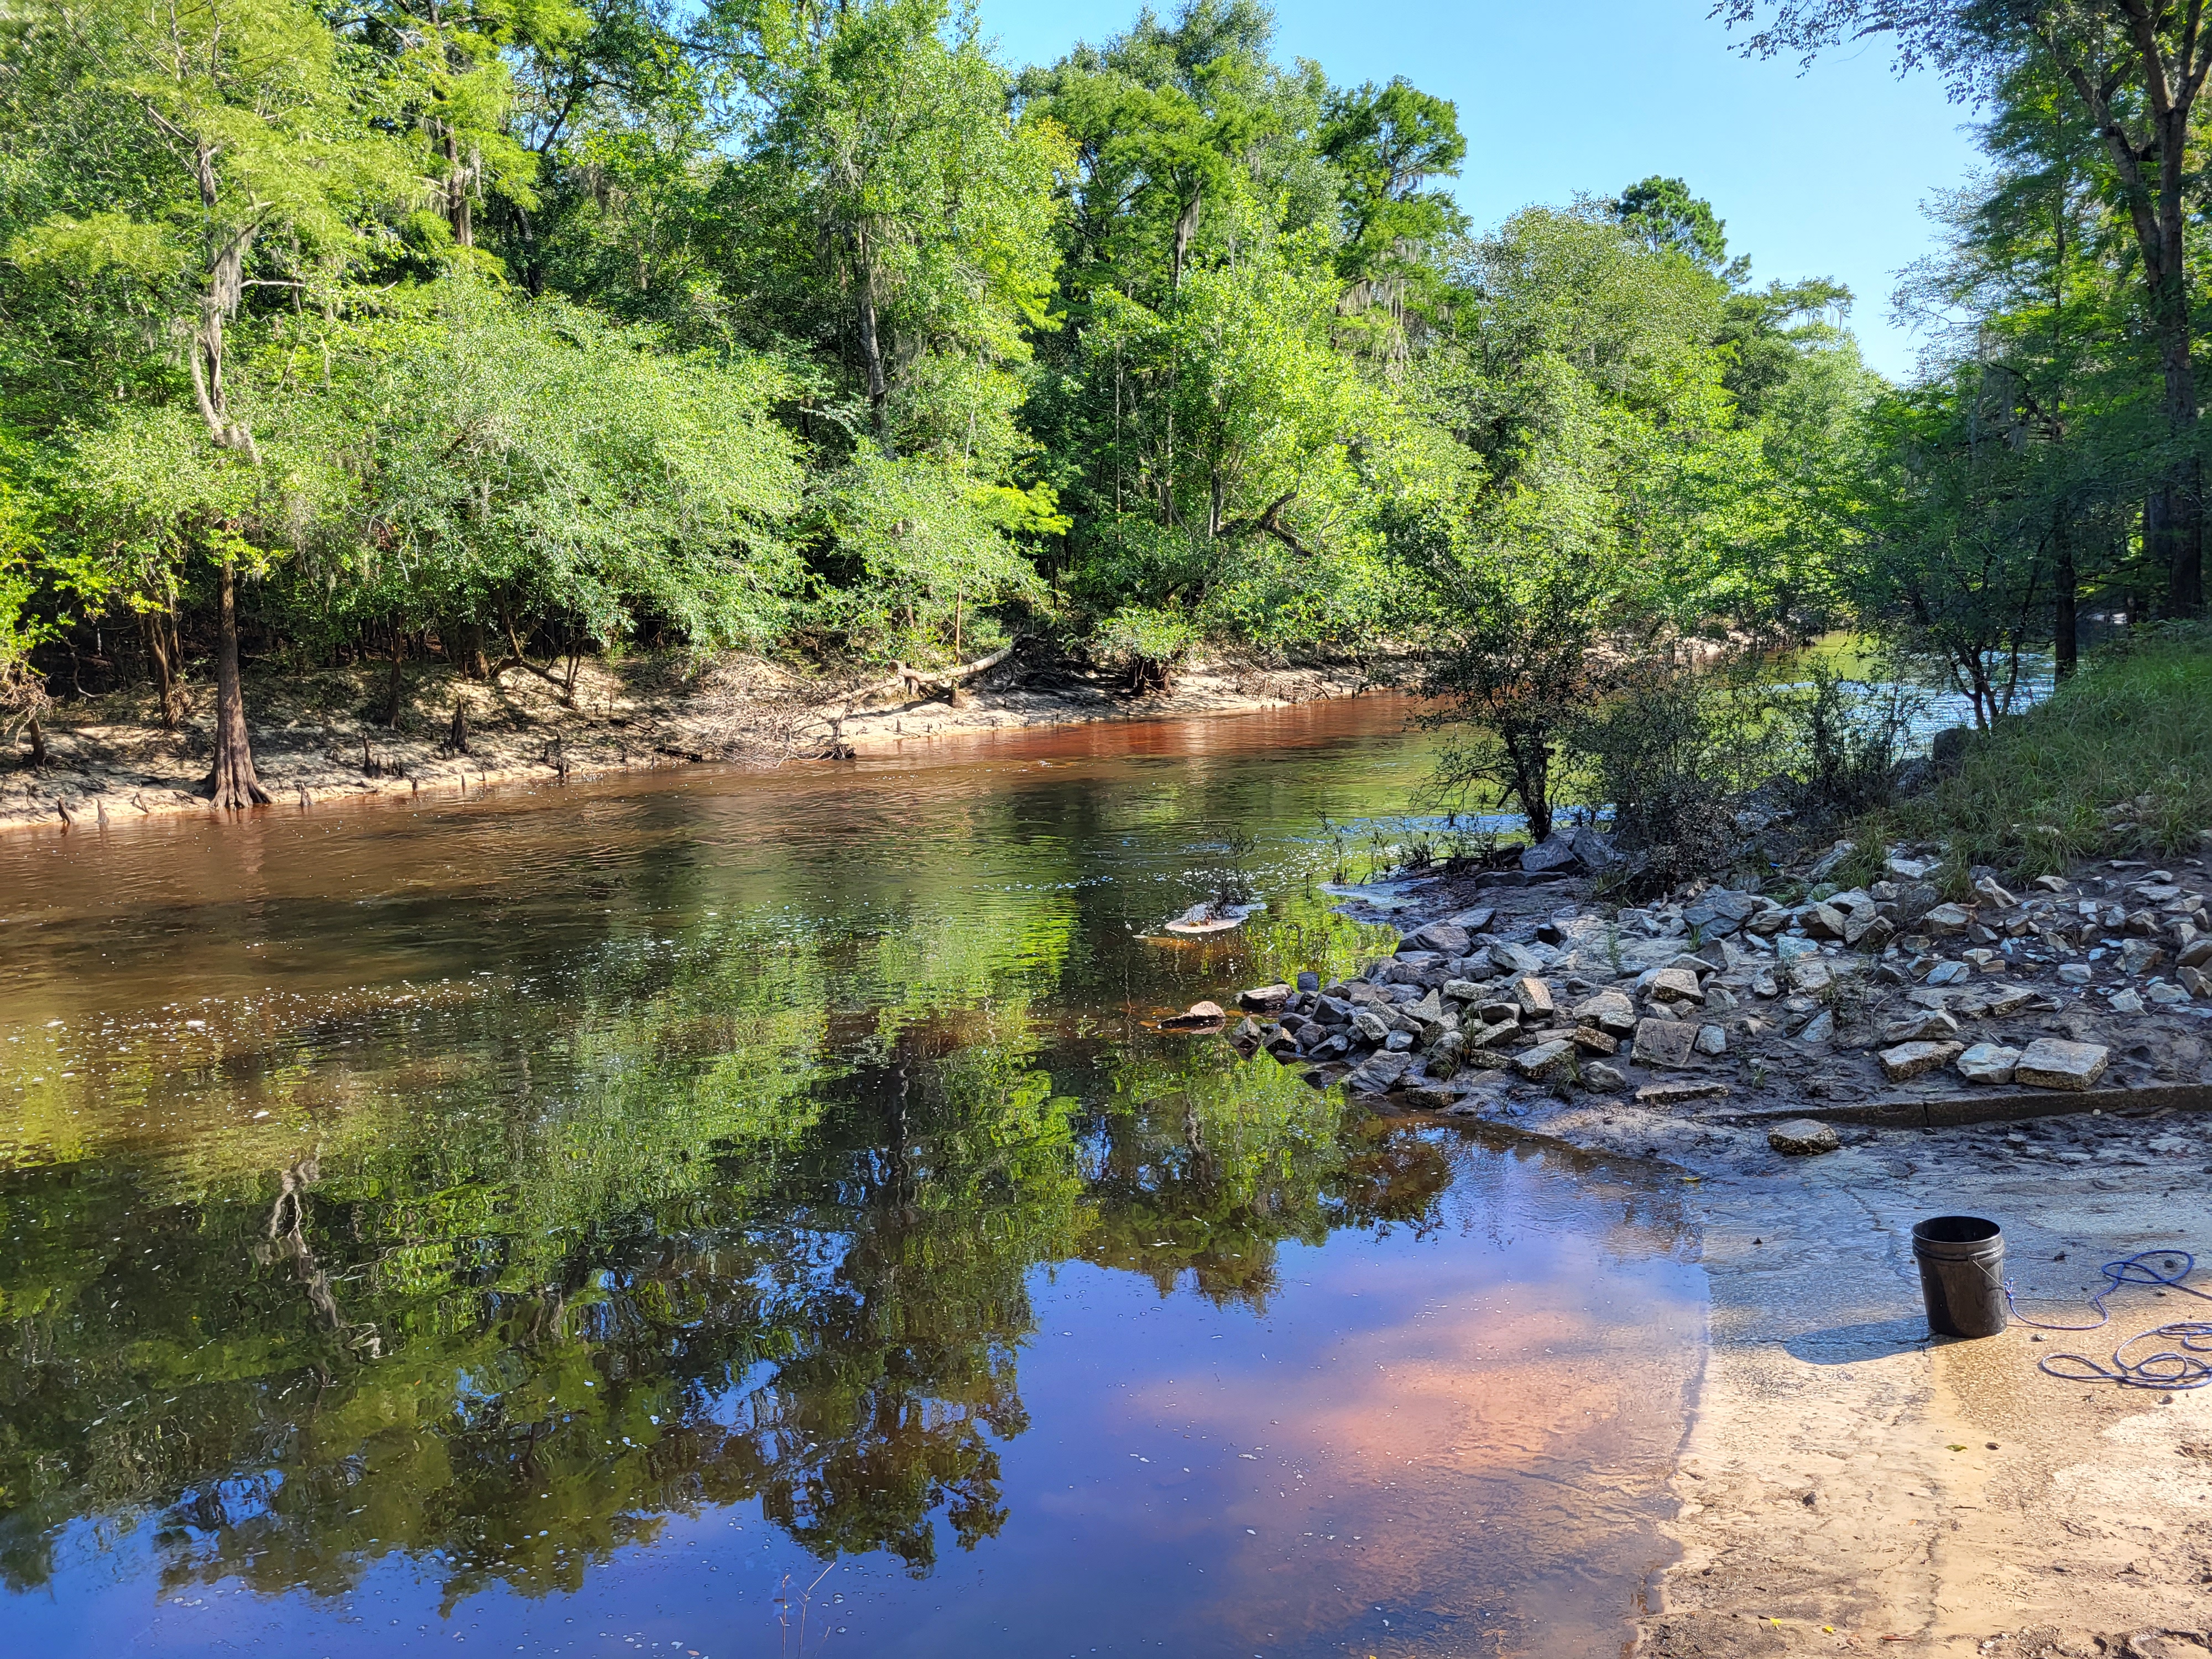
[(2116, 763)]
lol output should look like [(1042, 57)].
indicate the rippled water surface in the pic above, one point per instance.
[(742, 1213)]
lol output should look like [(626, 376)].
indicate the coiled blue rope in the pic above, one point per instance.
[(2170, 1369)]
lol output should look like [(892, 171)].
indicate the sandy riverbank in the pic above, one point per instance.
[(323, 736), (1848, 1481)]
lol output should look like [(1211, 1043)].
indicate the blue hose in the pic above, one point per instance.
[(2170, 1369)]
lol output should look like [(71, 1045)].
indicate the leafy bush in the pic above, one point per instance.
[(1669, 751), (1146, 645)]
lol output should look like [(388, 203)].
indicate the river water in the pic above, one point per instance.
[(738, 1213)]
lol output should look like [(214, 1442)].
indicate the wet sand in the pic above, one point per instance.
[(1850, 1481)]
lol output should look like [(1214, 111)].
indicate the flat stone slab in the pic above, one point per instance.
[(1675, 985), (1804, 1137), (1911, 1059), (1989, 1062), (2049, 1063), (1675, 1094), (1665, 1042)]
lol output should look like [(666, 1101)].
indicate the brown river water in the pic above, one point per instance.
[(742, 1213)]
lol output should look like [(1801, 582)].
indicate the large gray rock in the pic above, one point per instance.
[(1609, 1011), (1534, 996), (1802, 1137), (1370, 1025), (1931, 1025), (1438, 935), (1378, 1073), (1665, 1042), (1266, 1000), (1510, 958), (1555, 855), (1543, 1061), (1989, 1062), (2049, 1063), (1721, 911)]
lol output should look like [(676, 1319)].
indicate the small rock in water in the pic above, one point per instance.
[(2049, 1063), (1802, 1137), (1600, 1076), (1198, 1015), (1988, 1062)]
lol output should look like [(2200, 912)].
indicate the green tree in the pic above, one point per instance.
[(244, 158), (2132, 74)]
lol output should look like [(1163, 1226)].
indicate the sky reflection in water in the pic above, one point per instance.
[(581, 1220)]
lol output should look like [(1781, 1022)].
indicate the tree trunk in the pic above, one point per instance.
[(232, 784), (872, 350), (157, 628), (1186, 227), (395, 693), (2065, 623), (457, 194), (465, 648)]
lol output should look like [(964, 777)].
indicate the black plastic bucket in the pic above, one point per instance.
[(1961, 1261)]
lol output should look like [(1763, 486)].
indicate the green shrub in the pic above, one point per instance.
[(2117, 762)]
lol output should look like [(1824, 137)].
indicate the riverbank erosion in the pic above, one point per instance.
[(345, 734), (1825, 1073)]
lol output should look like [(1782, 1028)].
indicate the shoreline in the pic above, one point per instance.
[(1844, 1479), (110, 762)]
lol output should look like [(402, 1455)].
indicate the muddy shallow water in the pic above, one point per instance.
[(743, 1214)]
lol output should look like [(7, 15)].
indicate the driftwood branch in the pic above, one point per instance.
[(923, 683)]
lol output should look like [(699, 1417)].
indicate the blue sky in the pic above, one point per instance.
[(1823, 175)]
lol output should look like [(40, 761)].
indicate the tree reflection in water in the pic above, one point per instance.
[(552, 1264)]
